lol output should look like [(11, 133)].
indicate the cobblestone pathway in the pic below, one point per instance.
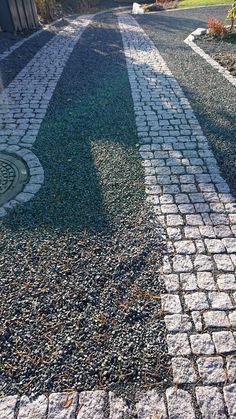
[(195, 206), (193, 202), (23, 104)]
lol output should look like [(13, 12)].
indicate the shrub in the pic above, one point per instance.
[(232, 14), (49, 9), (216, 27), (46, 8)]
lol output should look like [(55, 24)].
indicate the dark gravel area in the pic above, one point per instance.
[(17, 60), (7, 40), (80, 305), (222, 50), (211, 96)]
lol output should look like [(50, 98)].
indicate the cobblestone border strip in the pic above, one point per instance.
[(197, 7), (24, 103), (190, 42), (17, 45), (173, 404), (99, 404), (194, 204)]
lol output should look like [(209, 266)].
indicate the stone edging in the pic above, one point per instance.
[(187, 8), (190, 42), (36, 178)]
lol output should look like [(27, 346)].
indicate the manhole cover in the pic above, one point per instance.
[(13, 176)]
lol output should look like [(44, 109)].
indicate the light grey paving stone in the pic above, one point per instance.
[(62, 405), (196, 301), (166, 265), (192, 233), (92, 404), (231, 369), (183, 371), (179, 404), (178, 344), (210, 402), (224, 341), (223, 262), (186, 208), (233, 258), (171, 282), (178, 323), (151, 405), (35, 409), (174, 233), (166, 198), (230, 244), (222, 231), (24, 197), (205, 281), (8, 407), (232, 319), (203, 263), (174, 220), (230, 399), (185, 247), (119, 408), (33, 188), (171, 304), (200, 246), (220, 300), (215, 245), (182, 263), (182, 199), (194, 220), (207, 231), (216, 319), (211, 370), (3, 212), (226, 282), (169, 209), (197, 320), (202, 344), (188, 282)]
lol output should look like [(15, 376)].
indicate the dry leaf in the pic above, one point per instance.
[(68, 402)]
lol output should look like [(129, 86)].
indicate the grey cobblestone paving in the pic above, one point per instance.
[(194, 204), (23, 104)]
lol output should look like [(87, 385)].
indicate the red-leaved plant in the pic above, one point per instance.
[(216, 27)]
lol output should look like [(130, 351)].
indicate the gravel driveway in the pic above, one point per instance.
[(79, 263), (83, 301)]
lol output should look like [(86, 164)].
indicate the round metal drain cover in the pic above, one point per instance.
[(13, 176)]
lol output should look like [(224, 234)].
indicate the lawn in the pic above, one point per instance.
[(194, 3)]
